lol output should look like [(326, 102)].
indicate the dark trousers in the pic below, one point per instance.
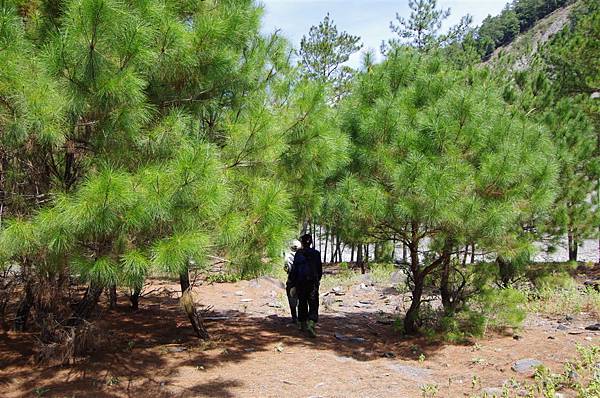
[(293, 301), (308, 302)]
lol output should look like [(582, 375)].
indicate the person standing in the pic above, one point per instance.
[(289, 287), (306, 274)]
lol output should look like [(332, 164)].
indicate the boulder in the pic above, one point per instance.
[(526, 365), (418, 375)]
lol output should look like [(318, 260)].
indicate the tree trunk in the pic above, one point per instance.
[(326, 243), (86, 306), (332, 259), (189, 306), (24, 309), (573, 247), (448, 302), (464, 261), (134, 298), (412, 315), (352, 253), (507, 271), (472, 253), (359, 259), (339, 249), (404, 253), (112, 297), (367, 258), (320, 238)]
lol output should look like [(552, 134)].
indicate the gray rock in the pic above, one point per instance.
[(397, 277), (274, 305), (562, 327), (352, 339), (595, 327), (411, 372), (526, 365), (490, 392), (267, 281)]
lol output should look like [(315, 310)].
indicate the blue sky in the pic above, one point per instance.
[(368, 19)]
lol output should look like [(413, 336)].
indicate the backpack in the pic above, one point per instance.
[(303, 269)]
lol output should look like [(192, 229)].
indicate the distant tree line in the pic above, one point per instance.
[(517, 17)]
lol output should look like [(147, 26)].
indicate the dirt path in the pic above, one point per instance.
[(256, 352)]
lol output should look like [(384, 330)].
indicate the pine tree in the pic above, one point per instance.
[(323, 54), (438, 156), (169, 135)]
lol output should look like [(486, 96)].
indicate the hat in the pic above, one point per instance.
[(306, 239)]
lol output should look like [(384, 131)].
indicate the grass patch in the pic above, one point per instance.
[(565, 301)]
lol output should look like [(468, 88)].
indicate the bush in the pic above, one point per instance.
[(381, 272), (560, 280), (501, 307), (225, 277)]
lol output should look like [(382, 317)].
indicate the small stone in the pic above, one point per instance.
[(551, 338), (526, 365), (246, 300), (491, 392), (588, 338), (595, 327), (569, 318), (388, 354), (562, 327), (274, 305), (239, 293), (517, 337)]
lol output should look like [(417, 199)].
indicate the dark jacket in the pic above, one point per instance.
[(313, 258)]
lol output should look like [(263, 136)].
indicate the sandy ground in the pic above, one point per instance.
[(254, 351)]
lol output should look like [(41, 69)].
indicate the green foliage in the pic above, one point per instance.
[(502, 307), (436, 153), (518, 16), (323, 54)]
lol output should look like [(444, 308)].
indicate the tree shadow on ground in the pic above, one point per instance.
[(141, 351)]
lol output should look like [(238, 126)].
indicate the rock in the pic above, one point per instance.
[(239, 293), (362, 305), (569, 318), (594, 284), (397, 277), (559, 395), (328, 300), (246, 300), (411, 372), (517, 337), (267, 281), (595, 327), (352, 339), (490, 392), (338, 291), (274, 305), (367, 279), (388, 354), (551, 338), (562, 327), (177, 349), (366, 302), (526, 365)]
